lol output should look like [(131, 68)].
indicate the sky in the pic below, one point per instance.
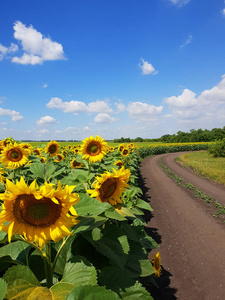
[(70, 69)]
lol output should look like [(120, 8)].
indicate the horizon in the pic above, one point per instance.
[(76, 69)]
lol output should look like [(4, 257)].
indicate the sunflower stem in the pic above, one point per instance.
[(48, 267), (57, 255)]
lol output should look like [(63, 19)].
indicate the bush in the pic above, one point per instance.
[(218, 148)]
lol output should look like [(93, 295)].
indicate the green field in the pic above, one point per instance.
[(205, 164)]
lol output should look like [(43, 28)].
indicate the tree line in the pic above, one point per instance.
[(193, 135)]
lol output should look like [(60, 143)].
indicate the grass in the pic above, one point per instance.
[(203, 163)]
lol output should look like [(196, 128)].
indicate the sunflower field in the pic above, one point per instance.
[(72, 221)]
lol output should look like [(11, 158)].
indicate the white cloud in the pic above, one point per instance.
[(70, 129), (147, 68), (143, 111), (206, 109), (188, 41), (47, 120), (179, 3), (120, 107), (44, 85), (76, 107), (4, 50), (2, 99), (104, 118), (42, 131), (12, 113), (223, 11), (186, 99), (36, 47)]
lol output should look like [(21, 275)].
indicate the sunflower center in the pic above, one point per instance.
[(14, 155), (94, 149), (108, 188), (36, 212), (125, 152), (76, 164), (52, 149)]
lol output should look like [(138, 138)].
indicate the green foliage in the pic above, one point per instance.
[(218, 148), (107, 253), (3, 288)]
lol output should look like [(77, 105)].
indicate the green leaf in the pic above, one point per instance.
[(44, 171), (64, 254), (126, 212), (38, 170), (3, 236), (88, 206), (79, 274), (96, 234), (21, 282), (143, 204), (89, 223), (61, 290), (136, 292), (3, 288), (88, 292), (115, 279), (14, 252), (113, 214), (110, 245)]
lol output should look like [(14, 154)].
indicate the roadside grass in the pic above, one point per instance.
[(203, 163)]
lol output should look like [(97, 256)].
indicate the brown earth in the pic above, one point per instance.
[(191, 241)]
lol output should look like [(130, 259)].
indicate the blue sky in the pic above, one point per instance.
[(71, 69)]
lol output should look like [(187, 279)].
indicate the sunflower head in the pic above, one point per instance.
[(40, 214), (156, 262), (109, 186), (125, 152), (14, 156), (75, 165), (42, 159), (118, 163), (121, 147), (28, 146), (94, 149), (37, 151), (8, 140), (52, 148), (59, 157)]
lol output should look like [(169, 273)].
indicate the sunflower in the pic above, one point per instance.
[(2, 178), (109, 186), (8, 140), (118, 163), (59, 158), (42, 159), (74, 164), (121, 147), (28, 146), (40, 214), (125, 152), (14, 156), (131, 146), (37, 151), (156, 264), (52, 148), (94, 149)]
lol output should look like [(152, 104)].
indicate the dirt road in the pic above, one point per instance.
[(191, 241)]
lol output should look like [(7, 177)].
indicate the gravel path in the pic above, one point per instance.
[(191, 240)]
